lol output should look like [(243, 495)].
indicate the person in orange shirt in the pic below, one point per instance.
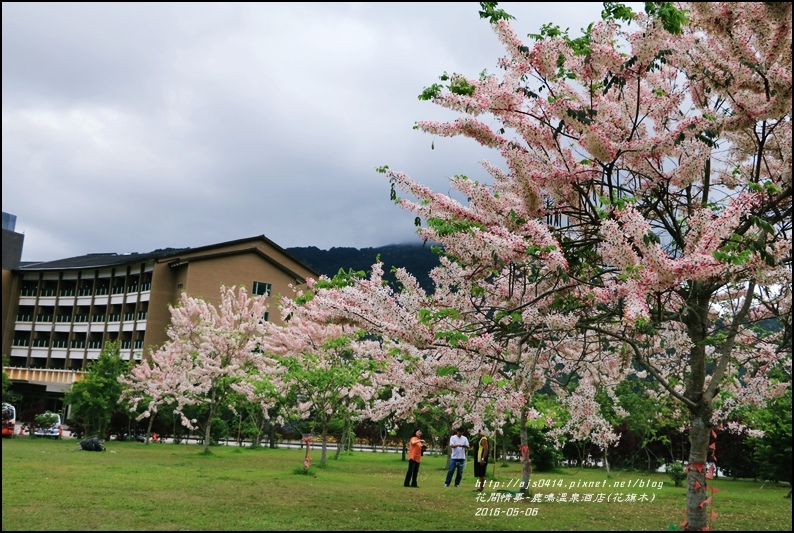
[(414, 458)]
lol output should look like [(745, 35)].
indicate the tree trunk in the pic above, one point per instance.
[(207, 436), (213, 406), (526, 466), (384, 433), (256, 440), (341, 443), (696, 320), (696, 510), (306, 459), (325, 442), (149, 427)]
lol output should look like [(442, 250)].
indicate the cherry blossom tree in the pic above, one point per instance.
[(433, 357), (329, 369), (642, 222), (151, 384), (210, 352)]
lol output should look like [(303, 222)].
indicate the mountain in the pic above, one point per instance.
[(417, 259)]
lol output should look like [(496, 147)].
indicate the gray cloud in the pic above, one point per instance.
[(130, 127)]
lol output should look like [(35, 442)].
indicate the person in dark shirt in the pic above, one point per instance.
[(481, 464)]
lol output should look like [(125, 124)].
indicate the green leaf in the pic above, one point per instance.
[(447, 370), (493, 14), (431, 92)]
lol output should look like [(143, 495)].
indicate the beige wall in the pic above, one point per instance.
[(205, 278), (201, 272), (163, 293)]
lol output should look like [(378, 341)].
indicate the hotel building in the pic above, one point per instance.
[(57, 315)]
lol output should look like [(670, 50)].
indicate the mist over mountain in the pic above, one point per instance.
[(417, 259)]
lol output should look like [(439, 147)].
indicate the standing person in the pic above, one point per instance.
[(414, 458), (481, 466), (459, 444)]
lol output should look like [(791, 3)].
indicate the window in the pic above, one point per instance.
[(262, 289)]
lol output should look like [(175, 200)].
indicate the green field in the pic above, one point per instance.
[(52, 485)]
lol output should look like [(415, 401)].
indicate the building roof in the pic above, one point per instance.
[(101, 260), (90, 261)]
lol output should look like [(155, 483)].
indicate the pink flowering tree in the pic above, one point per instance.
[(329, 370), (641, 223), (210, 352), (435, 357), (152, 384)]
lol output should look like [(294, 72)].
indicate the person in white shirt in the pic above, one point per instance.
[(457, 461)]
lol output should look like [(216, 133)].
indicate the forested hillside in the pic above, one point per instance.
[(415, 258)]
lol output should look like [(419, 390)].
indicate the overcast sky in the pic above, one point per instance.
[(132, 127)]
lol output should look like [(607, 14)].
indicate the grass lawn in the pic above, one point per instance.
[(52, 485)]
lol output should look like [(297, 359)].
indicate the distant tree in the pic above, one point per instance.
[(44, 420), (649, 423), (152, 384), (773, 451), (8, 396), (210, 351), (94, 398), (418, 259), (329, 368)]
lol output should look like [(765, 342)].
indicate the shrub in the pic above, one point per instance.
[(303, 471), (677, 472)]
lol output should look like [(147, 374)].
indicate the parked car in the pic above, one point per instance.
[(55, 430), (9, 420), (140, 437)]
